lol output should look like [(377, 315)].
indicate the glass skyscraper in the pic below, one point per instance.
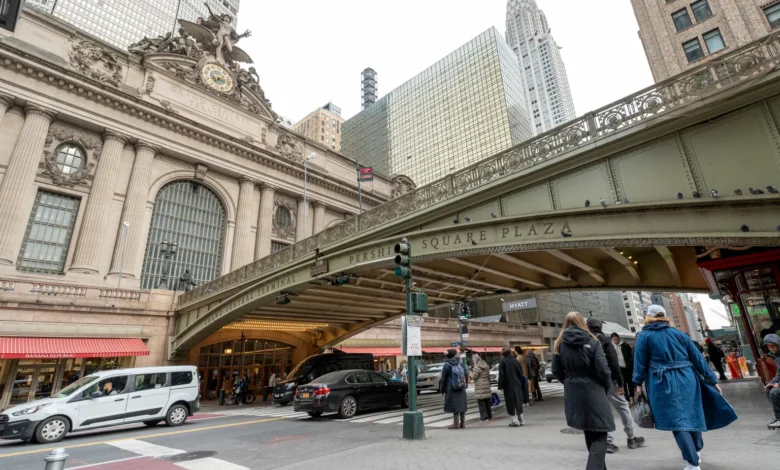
[(468, 106), (123, 22)]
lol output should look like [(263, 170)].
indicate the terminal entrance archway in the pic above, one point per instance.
[(219, 364)]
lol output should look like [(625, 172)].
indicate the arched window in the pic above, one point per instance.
[(192, 216), (283, 217), (69, 158)]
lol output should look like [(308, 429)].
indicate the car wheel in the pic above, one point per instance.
[(152, 424), (348, 407), (52, 430), (315, 414), (405, 401), (176, 416), (549, 381)]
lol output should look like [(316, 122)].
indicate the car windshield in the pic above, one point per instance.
[(431, 369), (71, 389), (301, 369)]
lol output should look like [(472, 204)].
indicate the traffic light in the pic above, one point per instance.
[(403, 259)]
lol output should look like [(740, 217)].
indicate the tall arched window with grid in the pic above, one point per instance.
[(190, 215)]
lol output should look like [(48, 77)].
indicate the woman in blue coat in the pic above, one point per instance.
[(672, 370)]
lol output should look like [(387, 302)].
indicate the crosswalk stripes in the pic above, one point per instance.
[(431, 404)]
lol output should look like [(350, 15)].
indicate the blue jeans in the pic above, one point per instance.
[(689, 443)]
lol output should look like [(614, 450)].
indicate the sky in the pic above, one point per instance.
[(707, 304), (310, 52)]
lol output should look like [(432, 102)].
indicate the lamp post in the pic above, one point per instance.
[(305, 176), (168, 250)]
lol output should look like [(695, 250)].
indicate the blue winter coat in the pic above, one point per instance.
[(673, 369)]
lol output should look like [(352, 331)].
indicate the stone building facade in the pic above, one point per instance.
[(125, 177), (680, 34)]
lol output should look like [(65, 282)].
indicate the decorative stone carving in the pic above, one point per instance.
[(402, 185), (248, 139), (181, 71), (96, 62), (289, 230), (168, 107), (263, 135), (289, 147), (200, 172), (149, 87), (61, 133)]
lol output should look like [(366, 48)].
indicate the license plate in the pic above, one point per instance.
[(305, 395), (277, 395)]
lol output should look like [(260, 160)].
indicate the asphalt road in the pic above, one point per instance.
[(213, 443)]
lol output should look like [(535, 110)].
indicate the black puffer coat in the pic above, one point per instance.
[(455, 401), (580, 365)]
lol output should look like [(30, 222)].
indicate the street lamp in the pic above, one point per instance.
[(168, 251), (305, 175)]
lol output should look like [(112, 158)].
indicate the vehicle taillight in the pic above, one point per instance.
[(297, 393), (321, 392)]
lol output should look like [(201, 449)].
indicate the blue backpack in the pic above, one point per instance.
[(458, 377)]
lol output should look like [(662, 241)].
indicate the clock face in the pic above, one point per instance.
[(217, 78)]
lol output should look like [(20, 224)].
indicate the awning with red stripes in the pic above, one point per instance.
[(53, 348), (477, 349)]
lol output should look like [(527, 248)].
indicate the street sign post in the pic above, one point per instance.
[(413, 419)]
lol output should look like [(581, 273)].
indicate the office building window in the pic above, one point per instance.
[(773, 15), (714, 41), (191, 215), (682, 20), (48, 234), (693, 50), (701, 10)]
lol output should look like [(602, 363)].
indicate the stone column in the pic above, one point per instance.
[(6, 103), (16, 190), (243, 245), (265, 222), (90, 244), (300, 232), (319, 217), (133, 213)]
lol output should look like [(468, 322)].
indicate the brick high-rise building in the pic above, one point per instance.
[(678, 312), (323, 125), (680, 34)]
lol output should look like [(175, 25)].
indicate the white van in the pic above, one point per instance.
[(108, 398)]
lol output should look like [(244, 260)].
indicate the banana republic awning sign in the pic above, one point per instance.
[(10, 10)]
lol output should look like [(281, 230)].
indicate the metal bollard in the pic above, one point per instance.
[(221, 397), (56, 460)]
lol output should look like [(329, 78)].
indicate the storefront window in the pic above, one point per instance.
[(102, 363)]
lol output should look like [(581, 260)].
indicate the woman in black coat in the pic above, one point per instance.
[(580, 365), (455, 401), (511, 380)]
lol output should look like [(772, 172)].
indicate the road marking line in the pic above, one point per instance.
[(147, 449), (93, 465), (172, 433), (209, 463)]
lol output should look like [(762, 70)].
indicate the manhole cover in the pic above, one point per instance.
[(202, 454), (571, 431)]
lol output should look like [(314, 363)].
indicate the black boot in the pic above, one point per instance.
[(455, 424), (636, 442)]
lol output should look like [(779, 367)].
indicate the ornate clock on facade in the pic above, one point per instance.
[(218, 78)]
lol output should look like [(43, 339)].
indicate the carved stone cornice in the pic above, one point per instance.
[(35, 110), (109, 134)]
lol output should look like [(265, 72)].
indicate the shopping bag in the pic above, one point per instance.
[(495, 400), (642, 414)]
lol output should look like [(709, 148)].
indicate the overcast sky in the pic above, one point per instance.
[(309, 52)]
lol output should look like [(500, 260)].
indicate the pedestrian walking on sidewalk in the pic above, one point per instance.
[(452, 385), (616, 395), (521, 359), (580, 365), (626, 363), (480, 375), (534, 369), (510, 381), (772, 342), (681, 387), (716, 356)]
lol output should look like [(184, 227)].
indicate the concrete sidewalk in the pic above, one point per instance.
[(545, 442)]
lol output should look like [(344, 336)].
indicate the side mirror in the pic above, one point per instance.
[(94, 395)]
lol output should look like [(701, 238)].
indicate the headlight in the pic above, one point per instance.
[(29, 411)]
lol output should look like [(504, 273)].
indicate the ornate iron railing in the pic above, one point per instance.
[(742, 64)]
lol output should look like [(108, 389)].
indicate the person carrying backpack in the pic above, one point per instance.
[(452, 385)]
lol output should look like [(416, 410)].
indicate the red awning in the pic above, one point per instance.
[(477, 349), (381, 352), (52, 348)]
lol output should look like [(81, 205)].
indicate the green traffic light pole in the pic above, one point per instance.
[(413, 418)]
